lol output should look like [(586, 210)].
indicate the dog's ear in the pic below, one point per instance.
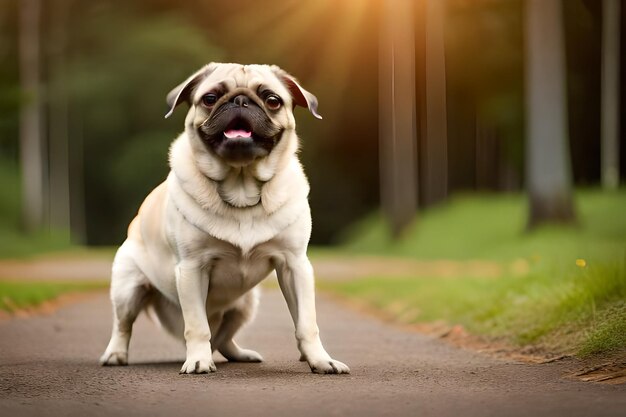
[(182, 92), (301, 97)]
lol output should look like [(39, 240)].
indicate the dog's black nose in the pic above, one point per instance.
[(241, 100)]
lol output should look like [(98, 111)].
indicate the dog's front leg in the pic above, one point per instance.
[(192, 294), (295, 276)]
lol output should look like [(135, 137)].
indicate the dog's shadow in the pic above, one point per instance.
[(167, 364), (261, 370)]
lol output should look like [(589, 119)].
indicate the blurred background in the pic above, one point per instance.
[(82, 87), (467, 169)]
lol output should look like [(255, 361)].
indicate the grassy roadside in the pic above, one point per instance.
[(16, 295), (576, 310), (571, 299)]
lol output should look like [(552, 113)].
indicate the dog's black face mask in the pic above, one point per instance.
[(238, 129)]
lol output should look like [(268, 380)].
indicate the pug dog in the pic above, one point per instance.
[(232, 210)]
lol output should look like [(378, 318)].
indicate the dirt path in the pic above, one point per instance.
[(99, 268), (48, 367)]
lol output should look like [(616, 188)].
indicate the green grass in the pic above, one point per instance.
[(557, 304), (14, 243), (568, 309), (609, 335), (18, 295), (493, 227)]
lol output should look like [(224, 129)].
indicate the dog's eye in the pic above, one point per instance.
[(209, 99), (273, 102)]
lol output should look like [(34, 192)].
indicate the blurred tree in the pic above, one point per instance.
[(58, 126), (31, 138), (548, 173), (433, 153), (610, 92), (397, 126)]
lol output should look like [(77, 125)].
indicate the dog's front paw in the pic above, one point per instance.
[(329, 366), (198, 366)]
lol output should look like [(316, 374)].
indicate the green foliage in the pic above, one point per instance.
[(141, 166), (485, 85), (17, 295)]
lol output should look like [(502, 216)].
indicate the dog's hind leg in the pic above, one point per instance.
[(232, 321), (167, 314), (129, 292)]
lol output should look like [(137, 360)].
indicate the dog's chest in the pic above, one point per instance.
[(233, 273)]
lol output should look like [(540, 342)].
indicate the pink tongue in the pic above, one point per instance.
[(235, 133)]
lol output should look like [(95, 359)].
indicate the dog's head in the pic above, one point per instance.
[(240, 112)]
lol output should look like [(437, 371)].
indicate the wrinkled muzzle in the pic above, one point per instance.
[(240, 134)]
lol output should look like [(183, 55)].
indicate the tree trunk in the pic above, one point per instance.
[(31, 140), (59, 203), (434, 141), (610, 93), (397, 124), (78, 222), (548, 172)]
